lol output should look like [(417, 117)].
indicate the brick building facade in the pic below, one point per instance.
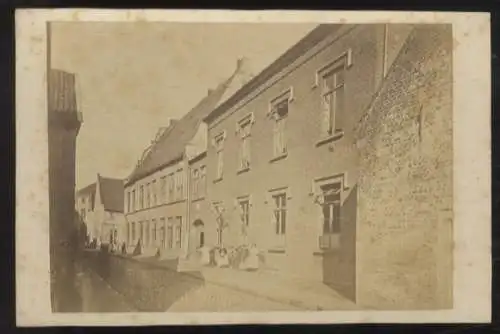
[(100, 206), (285, 167), (157, 197), (335, 161)]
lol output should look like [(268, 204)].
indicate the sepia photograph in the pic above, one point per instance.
[(239, 167)]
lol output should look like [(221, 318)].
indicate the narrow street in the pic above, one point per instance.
[(98, 296)]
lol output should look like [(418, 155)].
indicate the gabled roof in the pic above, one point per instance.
[(87, 190), (112, 193), (170, 147)]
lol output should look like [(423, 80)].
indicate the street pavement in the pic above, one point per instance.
[(215, 298), (98, 296)]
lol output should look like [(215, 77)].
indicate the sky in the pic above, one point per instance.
[(133, 77)]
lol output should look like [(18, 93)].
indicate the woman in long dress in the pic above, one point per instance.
[(252, 261)]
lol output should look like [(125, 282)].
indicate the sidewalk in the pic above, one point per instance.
[(273, 286), (277, 287)]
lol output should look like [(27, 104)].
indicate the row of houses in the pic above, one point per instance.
[(275, 158)]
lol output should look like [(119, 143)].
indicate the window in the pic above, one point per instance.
[(147, 235), (129, 233), (219, 148), (280, 213), (148, 195), (133, 200), (133, 232), (178, 233), (154, 227), (128, 202), (332, 92), (244, 206), (141, 231), (179, 185), (153, 193), (171, 188), (163, 231), (280, 115), (203, 181), (170, 233), (141, 198), (163, 189), (196, 179), (243, 130), (331, 208)]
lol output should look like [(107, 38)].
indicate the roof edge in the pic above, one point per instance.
[(290, 55)]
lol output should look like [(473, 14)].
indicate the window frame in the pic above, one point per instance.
[(218, 143), (279, 240), (203, 181), (244, 133), (343, 62), (317, 191), (280, 123)]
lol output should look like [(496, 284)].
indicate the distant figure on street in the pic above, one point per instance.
[(138, 248), (124, 248)]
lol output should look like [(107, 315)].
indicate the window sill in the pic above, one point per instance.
[(198, 199), (276, 250), (325, 252), (218, 180), (279, 157), (336, 136), (243, 170)]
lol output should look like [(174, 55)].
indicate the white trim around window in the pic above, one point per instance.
[(345, 58), (331, 240), (287, 94)]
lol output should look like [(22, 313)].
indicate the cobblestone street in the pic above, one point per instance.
[(98, 296)]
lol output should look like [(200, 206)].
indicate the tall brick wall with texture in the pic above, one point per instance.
[(404, 248)]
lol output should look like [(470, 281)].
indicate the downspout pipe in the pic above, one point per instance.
[(188, 205)]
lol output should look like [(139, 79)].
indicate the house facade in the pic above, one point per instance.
[(100, 206), (326, 160), (157, 197), (283, 159)]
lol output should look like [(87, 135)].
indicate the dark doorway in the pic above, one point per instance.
[(202, 239), (200, 232)]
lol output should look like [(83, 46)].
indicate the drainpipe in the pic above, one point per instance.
[(188, 205)]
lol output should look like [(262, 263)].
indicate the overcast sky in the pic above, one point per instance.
[(133, 77)]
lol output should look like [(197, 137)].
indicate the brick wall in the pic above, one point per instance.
[(306, 160), (404, 253)]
